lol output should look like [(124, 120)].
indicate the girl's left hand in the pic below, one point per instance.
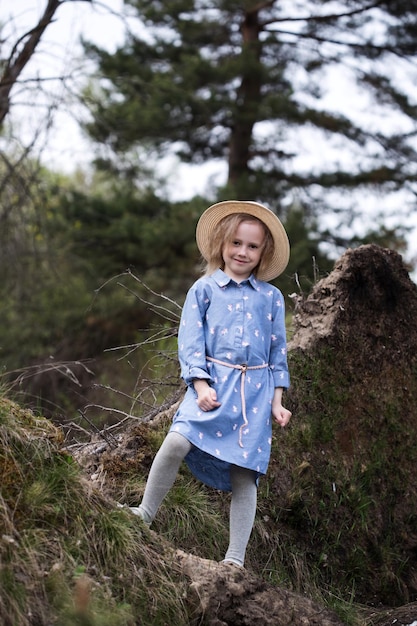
[(282, 416)]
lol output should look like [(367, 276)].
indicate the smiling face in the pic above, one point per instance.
[(241, 255)]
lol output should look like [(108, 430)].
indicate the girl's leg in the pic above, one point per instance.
[(242, 513), (162, 475)]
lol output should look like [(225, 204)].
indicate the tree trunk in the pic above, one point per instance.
[(247, 99)]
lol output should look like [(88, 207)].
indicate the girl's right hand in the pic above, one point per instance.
[(206, 396)]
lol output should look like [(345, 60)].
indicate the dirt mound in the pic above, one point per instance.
[(222, 594), (368, 301), (353, 357)]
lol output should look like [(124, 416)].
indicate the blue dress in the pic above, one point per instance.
[(235, 323)]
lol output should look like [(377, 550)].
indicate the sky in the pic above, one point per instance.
[(60, 140), (59, 53)]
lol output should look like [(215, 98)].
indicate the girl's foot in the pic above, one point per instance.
[(135, 510), (230, 562)]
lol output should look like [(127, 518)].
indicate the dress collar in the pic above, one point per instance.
[(222, 279)]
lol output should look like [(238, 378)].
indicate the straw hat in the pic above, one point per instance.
[(212, 216)]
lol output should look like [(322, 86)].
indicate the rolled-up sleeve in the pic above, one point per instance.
[(191, 336)]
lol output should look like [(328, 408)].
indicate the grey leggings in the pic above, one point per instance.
[(244, 491)]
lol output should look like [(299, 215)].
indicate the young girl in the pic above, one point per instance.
[(232, 352)]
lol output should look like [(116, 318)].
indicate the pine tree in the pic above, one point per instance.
[(239, 81)]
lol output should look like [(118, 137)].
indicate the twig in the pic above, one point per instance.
[(99, 432)]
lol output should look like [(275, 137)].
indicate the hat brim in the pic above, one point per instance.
[(212, 216)]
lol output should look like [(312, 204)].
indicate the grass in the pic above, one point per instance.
[(67, 554)]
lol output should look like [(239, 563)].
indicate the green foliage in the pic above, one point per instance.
[(123, 230), (62, 242), (43, 292)]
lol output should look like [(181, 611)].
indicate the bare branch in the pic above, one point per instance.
[(154, 293), (320, 18), (18, 59), (65, 368)]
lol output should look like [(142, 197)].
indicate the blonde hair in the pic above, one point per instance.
[(225, 231)]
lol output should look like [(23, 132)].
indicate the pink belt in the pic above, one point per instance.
[(243, 368)]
